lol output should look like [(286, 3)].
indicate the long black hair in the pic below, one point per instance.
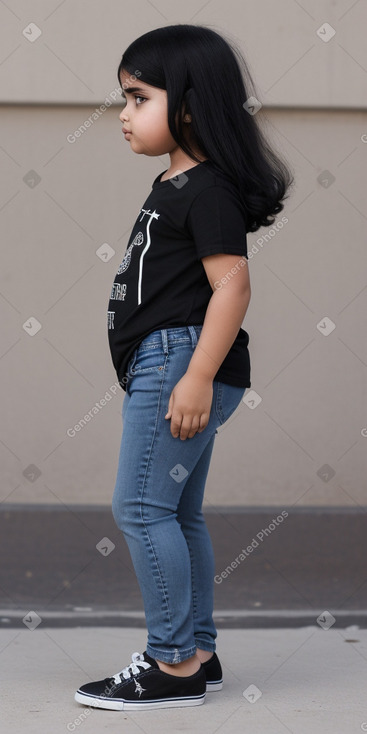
[(206, 76)]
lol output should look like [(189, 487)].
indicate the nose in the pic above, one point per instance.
[(122, 116)]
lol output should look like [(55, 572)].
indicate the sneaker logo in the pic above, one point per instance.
[(138, 687)]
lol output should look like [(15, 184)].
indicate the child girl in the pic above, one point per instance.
[(177, 304)]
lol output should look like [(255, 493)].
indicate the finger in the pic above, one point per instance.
[(204, 420), (185, 430), (170, 405), (176, 425), (195, 426)]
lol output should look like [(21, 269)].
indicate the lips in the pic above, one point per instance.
[(125, 131)]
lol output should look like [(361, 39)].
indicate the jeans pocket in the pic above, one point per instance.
[(148, 360), (227, 400)]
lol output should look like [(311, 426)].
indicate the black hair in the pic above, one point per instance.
[(207, 77)]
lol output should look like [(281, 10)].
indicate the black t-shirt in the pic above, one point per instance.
[(161, 282)]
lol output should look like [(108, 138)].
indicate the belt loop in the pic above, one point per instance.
[(164, 340), (193, 334)]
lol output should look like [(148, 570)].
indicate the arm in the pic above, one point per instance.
[(190, 401), (225, 313)]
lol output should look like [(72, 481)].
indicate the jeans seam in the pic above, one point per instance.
[(218, 403), (194, 597), (142, 496)]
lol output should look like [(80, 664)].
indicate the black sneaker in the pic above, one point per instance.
[(213, 672), (143, 685)]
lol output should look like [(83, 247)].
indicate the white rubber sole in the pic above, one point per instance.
[(210, 687), (121, 705)]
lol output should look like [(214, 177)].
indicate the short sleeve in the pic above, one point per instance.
[(217, 223)]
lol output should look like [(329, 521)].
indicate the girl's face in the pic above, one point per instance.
[(145, 115)]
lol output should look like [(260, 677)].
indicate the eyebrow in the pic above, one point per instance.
[(131, 90)]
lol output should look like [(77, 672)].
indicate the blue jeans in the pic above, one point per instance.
[(157, 502)]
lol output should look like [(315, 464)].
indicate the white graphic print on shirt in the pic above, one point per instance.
[(111, 319), (118, 292), (138, 240)]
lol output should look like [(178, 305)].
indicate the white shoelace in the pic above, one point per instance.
[(132, 669)]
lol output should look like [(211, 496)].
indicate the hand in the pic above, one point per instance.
[(189, 406)]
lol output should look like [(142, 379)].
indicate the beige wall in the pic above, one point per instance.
[(312, 387)]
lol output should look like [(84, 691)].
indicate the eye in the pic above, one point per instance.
[(136, 96)]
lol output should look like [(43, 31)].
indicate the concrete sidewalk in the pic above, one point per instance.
[(310, 679)]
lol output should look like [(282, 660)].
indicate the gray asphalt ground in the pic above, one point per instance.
[(308, 681)]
